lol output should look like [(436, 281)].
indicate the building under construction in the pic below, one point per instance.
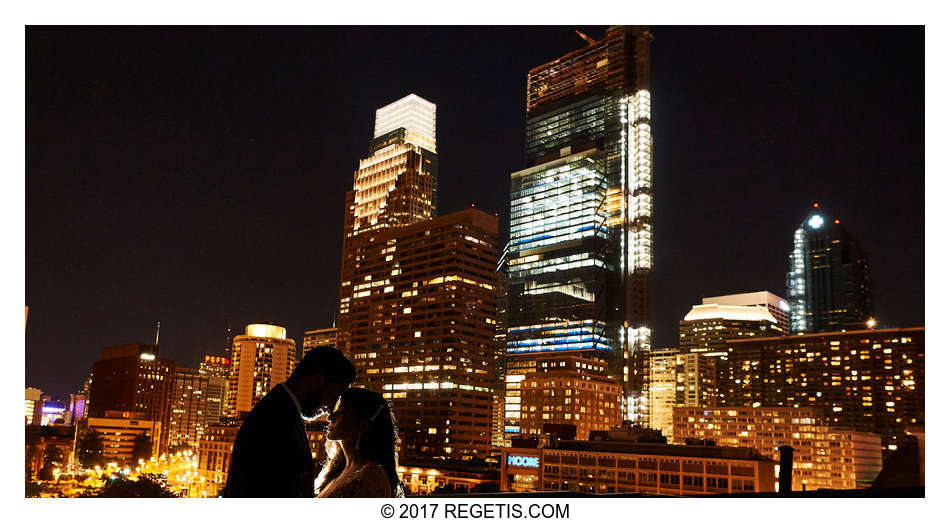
[(580, 256)]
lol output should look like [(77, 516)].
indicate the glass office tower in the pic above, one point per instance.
[(829, 279), (580, 253)]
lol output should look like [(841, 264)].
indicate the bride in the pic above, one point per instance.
[(361, 449)]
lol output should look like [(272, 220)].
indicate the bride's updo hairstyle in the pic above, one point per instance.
[(378, 442)]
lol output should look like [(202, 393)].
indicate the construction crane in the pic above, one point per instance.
[(590, 40)]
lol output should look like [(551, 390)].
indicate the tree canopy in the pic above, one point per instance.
[(142, 447), (146, 486), (89, 449)]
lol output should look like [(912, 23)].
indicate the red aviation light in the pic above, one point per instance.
[(815, 205)]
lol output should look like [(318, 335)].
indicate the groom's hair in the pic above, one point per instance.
[(328, 361)]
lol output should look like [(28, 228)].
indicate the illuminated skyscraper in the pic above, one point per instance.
[(395, 186), (829, 280), (189, 396), (215, 366), (580, 255), (499, 355), (217, 370), (421, 320), (261, 358)]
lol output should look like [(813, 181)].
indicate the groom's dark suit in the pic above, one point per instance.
[(271, 456)]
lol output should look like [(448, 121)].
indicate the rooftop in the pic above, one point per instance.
[(660, 449), (834, 334), (729, 312)]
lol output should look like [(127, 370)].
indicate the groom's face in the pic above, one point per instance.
[(322, 396)]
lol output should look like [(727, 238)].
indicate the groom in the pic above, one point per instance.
[(271, 456)]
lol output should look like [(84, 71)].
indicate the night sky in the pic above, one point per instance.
[(196, 176)]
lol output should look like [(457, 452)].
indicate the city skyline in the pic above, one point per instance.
[(170, 244)]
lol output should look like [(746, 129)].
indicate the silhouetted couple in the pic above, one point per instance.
[(272, 457)]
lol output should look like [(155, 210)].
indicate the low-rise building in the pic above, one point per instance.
[(34, 405), (824, 457), (53, 413), (607, 467), (214, 455), (678, 379), (870, 380), (39, 439), (217, 443), (569, 390), (423, 477), (118, 435)]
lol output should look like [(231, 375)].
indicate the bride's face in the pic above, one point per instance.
[(344, 424)]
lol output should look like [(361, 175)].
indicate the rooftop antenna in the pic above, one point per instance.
[(590, 40), (227, 343), (158, 328)]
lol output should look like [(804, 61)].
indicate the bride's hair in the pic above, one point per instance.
[(378, 443)]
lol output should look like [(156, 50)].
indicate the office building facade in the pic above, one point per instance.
[(417, 293), (608, 467), (706, 328), (824, 457), (499, 396), (777, 306), (131, 381), (34, 405), (215, 366), (424, 477), (865, 380), (571, 390), (395, 186), (318, 338), (40, 440), (217, 443), (261, 358), (217, 370), (828, 279), (580, 254), (420, 320), (678, 379), (118, 436), (214, 455), (189, 399), (397, 183)]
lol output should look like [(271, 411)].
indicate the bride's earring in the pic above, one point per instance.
[(357, 444)]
